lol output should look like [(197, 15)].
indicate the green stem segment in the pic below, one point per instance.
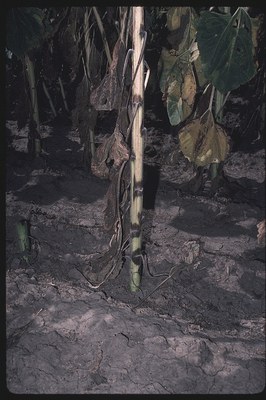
[(23, 238), (219, 102), (137, 151), (214, 169)]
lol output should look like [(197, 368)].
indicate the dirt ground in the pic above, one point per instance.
[(201, 331)]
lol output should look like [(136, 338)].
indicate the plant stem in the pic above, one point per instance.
[(34, 102), (214, 167), (136, 162), (211, 99), (47, 94), (219, 101), (63, 94), (101, 28), (87, 42), (92, 142), (23, 238)]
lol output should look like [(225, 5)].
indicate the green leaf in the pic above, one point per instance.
[(174, 109), (225, 45), (25, 29)]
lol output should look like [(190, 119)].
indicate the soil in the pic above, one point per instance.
[(201, 331)]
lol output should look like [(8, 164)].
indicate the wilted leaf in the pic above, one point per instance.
[(111, 153), (204, 142), (181, 94), (188, 87), (226, 49), (199, 72), (174, 16), (179, 24), (107, 95), (194, 52)]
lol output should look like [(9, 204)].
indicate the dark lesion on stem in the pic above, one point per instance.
[(135, 230), (137, 257), (137, 99), (138, 189)]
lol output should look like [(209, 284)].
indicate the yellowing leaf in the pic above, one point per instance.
[(181, 94), (188, 87), (203, 142)]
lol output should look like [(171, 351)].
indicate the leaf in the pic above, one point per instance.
[(25, 29), (174, 110), (199, 72), (188, 87), (110, 154), (84, 116), (204, 142), (107, 95), (175, 16), (181, 93), (179, 25), (225, 45), (166, 63)]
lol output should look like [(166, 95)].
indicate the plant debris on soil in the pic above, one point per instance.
[(196, 326)]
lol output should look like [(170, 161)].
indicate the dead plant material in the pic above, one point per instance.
[(117, 198), (108, 265), (110, 154), (84, 116), (107, 96), (261, 233), (203, 142)]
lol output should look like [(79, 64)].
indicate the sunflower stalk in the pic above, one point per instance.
[(136, 163)]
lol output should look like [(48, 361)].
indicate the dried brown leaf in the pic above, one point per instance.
[(261, 233)]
